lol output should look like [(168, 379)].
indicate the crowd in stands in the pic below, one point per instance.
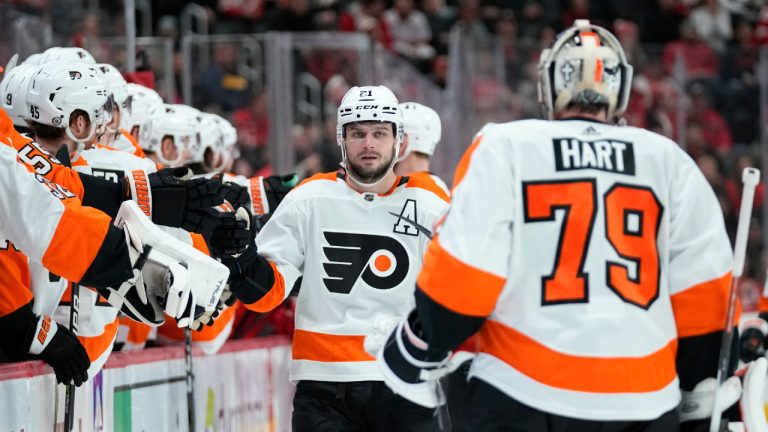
[(694, 61)]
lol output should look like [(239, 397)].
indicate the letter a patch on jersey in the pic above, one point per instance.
[(380, 261)]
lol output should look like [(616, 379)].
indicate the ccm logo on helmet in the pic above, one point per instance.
[(366, 107), (380, 261)]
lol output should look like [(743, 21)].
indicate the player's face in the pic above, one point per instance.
[(370, 149)]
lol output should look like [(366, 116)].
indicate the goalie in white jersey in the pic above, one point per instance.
[(356, 237), (591, 259)]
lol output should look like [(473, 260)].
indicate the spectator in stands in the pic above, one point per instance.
[(440, 19), (660, 23), (712, 22), (697, 56), (716, 132), (577, 9), (628, 34), (469, 24), (531, 20), (252, 123), (742, 105), (410, 33), (222, 86), (291, 16), (366, 17)]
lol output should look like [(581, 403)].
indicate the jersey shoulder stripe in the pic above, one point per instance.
[(424, 180)]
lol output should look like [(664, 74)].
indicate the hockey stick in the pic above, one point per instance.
[(190, 379), (750, 177), (69, 402)]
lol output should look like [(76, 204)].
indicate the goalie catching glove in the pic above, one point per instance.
[(172, 198), (408, 366), (169, 276)]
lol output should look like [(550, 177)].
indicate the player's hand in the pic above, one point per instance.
[(59, 347), (178, 201), (234, 233), (236, 195), (245, 272), (277, 187), (408, 366), (753, 340)]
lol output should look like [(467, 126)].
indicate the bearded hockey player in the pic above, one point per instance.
[(357, 237), (591, 259)]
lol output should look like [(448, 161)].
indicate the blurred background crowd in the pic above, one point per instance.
[(701, 70)]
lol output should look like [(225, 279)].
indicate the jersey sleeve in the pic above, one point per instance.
[(700, 263), (15, 289), (47, 222), (466, 264)]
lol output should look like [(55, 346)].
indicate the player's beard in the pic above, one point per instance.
[(373, 174)]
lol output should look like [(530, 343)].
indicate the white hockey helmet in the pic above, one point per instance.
[(67, 54), (422, 126), (368, 104), (167, 121), (139, 103), (229, 141), (58, 89), (116, 82), (585, 63), (13, 92), (34, 60)]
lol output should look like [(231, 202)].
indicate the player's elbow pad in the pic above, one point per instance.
[(444, 329)]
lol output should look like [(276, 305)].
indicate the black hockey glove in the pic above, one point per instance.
[(277, 187), (236, 195), (175, 201), (753, 340), (23, 333), (250, 276), (234, 233)]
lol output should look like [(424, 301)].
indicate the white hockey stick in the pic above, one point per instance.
[(750, 177)]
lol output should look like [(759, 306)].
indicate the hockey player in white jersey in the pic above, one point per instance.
[(591, 259), (356, 238), (423, 130)]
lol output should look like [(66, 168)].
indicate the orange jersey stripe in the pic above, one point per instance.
[(14, 279), (425, 181), (458, 286), (463, 166), (198, 242), (170, 330), (95, 346), (332, 176), (762, 304), (138, 333), (571, 372), (274, 297), (78, 237), (701, 309), (323, 347), (137, 150)]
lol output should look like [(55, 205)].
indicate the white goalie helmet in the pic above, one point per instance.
[(67, 54), (167, 121), (585, 63), (139, 102), (58, 89), (422, 126), (368, 104), (13, 92)]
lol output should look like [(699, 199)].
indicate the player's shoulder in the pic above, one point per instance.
[(427, 183), (316, 185)]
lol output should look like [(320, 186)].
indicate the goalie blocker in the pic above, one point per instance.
[(169, 276)]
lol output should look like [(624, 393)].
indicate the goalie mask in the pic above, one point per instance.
[(368, 104), (422, 126), (585, 64), (59, 89)]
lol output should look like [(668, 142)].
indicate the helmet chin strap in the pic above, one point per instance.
[(80, 141)]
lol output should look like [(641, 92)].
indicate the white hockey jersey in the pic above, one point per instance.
[(359, 254), (591, 248)]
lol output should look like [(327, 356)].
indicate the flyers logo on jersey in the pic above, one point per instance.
[(380, 261)]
